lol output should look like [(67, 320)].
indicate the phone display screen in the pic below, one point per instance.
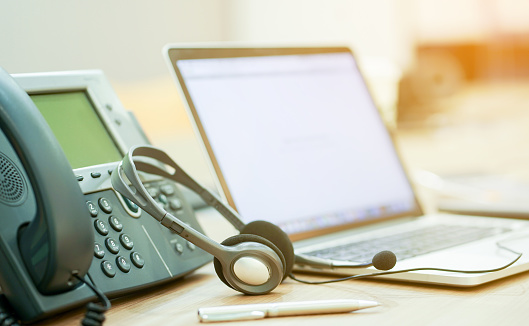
[(76, 125)]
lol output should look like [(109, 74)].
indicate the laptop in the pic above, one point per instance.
[(293, 137)]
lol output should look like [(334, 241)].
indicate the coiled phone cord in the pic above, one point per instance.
[(95, 313), (7, 316), (94, 316)]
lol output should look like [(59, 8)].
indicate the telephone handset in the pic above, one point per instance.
[(57, 222), (41, 206)]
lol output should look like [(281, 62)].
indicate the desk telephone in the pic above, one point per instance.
[(55, 221)]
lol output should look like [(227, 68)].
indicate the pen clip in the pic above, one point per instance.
[(217, 317)]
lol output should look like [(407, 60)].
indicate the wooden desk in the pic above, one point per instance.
[(449, 148), (503, 302)]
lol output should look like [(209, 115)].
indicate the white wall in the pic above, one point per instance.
[(124, 38), (376, 28), (469, 20)]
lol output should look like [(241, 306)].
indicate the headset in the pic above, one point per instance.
[(255, 261), (258, 259)]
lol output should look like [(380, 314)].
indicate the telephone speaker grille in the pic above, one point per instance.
[(12, 185)]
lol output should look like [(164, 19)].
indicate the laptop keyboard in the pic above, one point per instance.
[(408, 244)]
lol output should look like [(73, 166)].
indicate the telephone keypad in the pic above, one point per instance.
[(99, 252), (120, 249), (115, 223), (92, 208), (104, 204), (137, 259), (112, 245), (126, 241), (108, 268), (123, 264), (101, 227)]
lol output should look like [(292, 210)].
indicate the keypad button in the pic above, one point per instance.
[(112, 245), (153, 192), (115, 223), (175, 204), (123, 264), (126, 241), (105, 205), (95, 175), (162, 199), (179, 248), (137, 259), (167, 189), (101, 227), (108, 268), (131, 205), (92, 208), (191, 246), (99, 252)]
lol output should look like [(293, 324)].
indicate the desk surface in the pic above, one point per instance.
[(503, 302), (485, 143)]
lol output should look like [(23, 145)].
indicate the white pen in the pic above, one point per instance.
[(259, 311)]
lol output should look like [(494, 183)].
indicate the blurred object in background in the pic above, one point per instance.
[(436, 75), (478, 193), (444, 70)]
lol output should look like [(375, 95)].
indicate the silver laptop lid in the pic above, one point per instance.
[(293, 136)]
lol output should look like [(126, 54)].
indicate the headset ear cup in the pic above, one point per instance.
[(278, 237), (236, 239)]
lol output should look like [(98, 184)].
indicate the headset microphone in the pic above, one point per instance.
[(384, 260)]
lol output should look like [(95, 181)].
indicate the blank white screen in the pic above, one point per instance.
[(297, 138)]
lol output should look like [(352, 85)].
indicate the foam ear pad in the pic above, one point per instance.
[(236, 239), (278, 237)]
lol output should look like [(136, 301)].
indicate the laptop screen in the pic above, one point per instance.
[(294, 138)]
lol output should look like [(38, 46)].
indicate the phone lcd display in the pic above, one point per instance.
[(82, 135)]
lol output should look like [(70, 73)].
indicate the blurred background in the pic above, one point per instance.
[(451, 78)]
